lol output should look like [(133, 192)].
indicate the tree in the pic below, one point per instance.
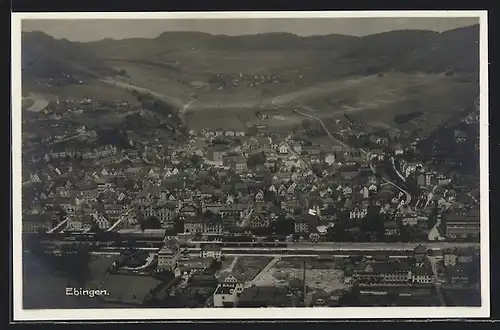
[(95, 228), (252, 131), (151, 223), (306, 124), (208, 214), (256, 159), (432, 219), (283, 226), (196, 160), (178, 225)]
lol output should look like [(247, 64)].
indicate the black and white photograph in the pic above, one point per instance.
[(239, 165)]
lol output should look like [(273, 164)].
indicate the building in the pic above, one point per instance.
[(211, 251), (422, 275), (462, 224), (74, 223), (457, 275), (259, 221), (203, 226), (382, 272), (301, 226), (230, 287), (450, 257), (33, 223), (168, 257), (101, 221)]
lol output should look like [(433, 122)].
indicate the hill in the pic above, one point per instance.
[(403, 50), (45, 57), (326, 56)]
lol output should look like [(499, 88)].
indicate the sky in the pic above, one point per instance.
[(84, 30)]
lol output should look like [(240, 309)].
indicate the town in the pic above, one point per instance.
[(159, 215)]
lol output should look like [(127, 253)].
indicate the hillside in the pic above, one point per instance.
[(193, 53), (405, 50), (45, 57)]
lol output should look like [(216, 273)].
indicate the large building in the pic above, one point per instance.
[(168, 257), (382, 272), (462, 224), (33, 223), (229, 289)]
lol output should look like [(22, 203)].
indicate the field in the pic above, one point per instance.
[(43, 288), (320, 275), (377, 101), (92, 89), (129, 288), (249, 267), (369, 99)]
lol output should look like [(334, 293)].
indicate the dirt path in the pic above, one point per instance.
[(231, 266), (266, 269)]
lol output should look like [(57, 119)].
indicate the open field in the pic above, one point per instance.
[(370, 99), (377, 102), (249, 267), (227, 264), (92, 89), (320, 275)]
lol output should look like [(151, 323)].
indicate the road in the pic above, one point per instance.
[(264, 271), (302, 160), (59, 226), (246, 221), (172, 102), (437, 284), (326, 130)]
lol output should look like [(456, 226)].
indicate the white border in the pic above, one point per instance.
[(243, 313)]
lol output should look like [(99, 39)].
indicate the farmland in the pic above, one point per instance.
[(249, 267), (91, 88), (320, 275)]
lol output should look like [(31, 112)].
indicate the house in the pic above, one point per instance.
[(462, 223), (450, 257), (87, 222), (358, 213), (193, 225), (391, 228), (33, 223), (188, 211), (259, 221), (465, 256), (301, 225), (330, 159), (211, 251), (216, 157), (382, 272), (322, 298), (457, 275), (168, 257), (230, 287), (259, 197), (101, 221), (166, 216), (74, 223), (422, 275), (283, 149), (237, 163)]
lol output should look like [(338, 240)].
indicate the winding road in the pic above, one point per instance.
[(364, 152)]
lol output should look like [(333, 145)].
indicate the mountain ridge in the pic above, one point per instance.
[(402, 50)]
